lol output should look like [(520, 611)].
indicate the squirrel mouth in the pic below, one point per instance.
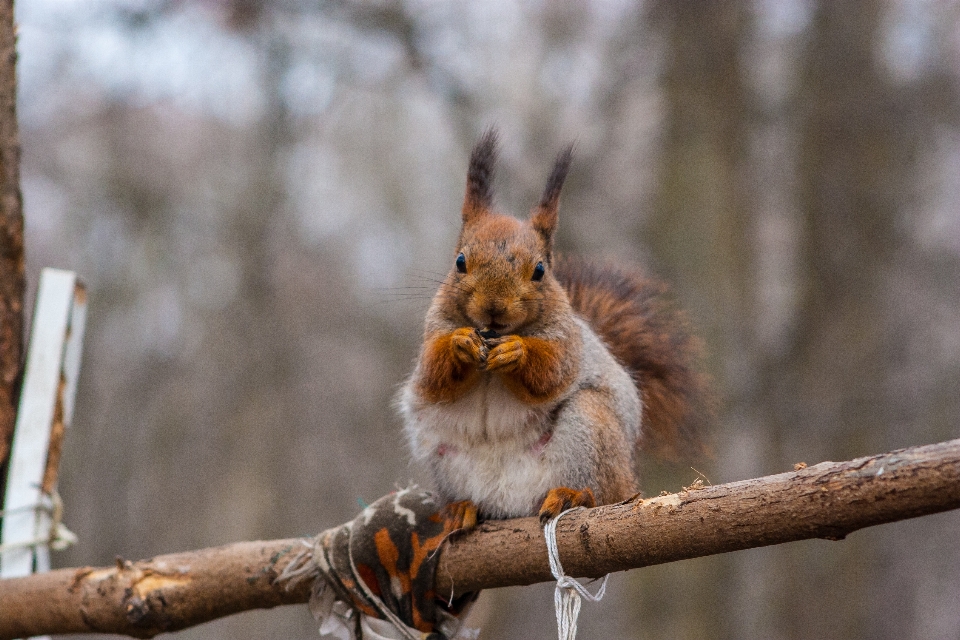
[(494, 330)]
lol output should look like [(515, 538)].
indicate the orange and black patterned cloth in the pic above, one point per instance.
[(373, 576)]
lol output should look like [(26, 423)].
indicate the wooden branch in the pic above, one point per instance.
[(829, 500), (149, 597)]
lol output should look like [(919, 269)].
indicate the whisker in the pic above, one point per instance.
[(455, 286), (432, 278), (400, 300), (438, 279), (430, 271)]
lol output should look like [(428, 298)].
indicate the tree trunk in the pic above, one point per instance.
[(12, 278)]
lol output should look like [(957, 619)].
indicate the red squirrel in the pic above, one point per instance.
[(539, 377)]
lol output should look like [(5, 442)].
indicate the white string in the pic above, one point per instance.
[(58, 538), (566, 597)]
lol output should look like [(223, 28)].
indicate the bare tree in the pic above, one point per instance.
[(12, 268)]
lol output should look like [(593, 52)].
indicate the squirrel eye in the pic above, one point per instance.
[(538, 272), (461, 263)]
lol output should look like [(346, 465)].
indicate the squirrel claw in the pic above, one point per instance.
[(559, 499), (468, 346), (508, 354), (460, 516)]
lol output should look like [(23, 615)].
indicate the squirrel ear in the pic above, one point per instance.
[(544, 217), (483, 160)]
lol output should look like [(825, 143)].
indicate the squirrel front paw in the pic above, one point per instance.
[(506, 354), (468, 346)]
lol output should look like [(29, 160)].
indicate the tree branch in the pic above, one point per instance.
[(829, 500)]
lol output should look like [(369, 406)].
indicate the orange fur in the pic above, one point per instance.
[(445, 375), (559, 499), (541, 373)]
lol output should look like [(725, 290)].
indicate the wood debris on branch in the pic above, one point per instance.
[(828, 500)]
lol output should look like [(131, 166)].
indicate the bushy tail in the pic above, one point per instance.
[(651, 337)]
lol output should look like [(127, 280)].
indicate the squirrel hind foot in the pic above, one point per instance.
[(560, 499), (460, 516)]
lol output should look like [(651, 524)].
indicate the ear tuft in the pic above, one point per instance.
[(545, 215), (483, 160), (551, 193)]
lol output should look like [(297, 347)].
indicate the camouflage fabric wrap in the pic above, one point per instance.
[(373, 576)]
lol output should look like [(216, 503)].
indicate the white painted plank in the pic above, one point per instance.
[(71, 370), (31, 439)]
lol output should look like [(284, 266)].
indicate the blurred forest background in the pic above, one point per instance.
[(248, 188)]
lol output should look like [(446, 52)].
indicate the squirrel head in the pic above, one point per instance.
[(502, 277)]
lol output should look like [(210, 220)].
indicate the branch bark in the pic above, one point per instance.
[(828, 500), (12, 273)]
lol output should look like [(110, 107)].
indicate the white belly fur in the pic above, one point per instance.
[(483, 447)]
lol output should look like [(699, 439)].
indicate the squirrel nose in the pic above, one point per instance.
[(494, 311)]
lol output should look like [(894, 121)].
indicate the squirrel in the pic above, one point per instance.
[(539, 376)]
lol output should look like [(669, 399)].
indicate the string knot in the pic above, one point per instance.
[(568, 593)]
